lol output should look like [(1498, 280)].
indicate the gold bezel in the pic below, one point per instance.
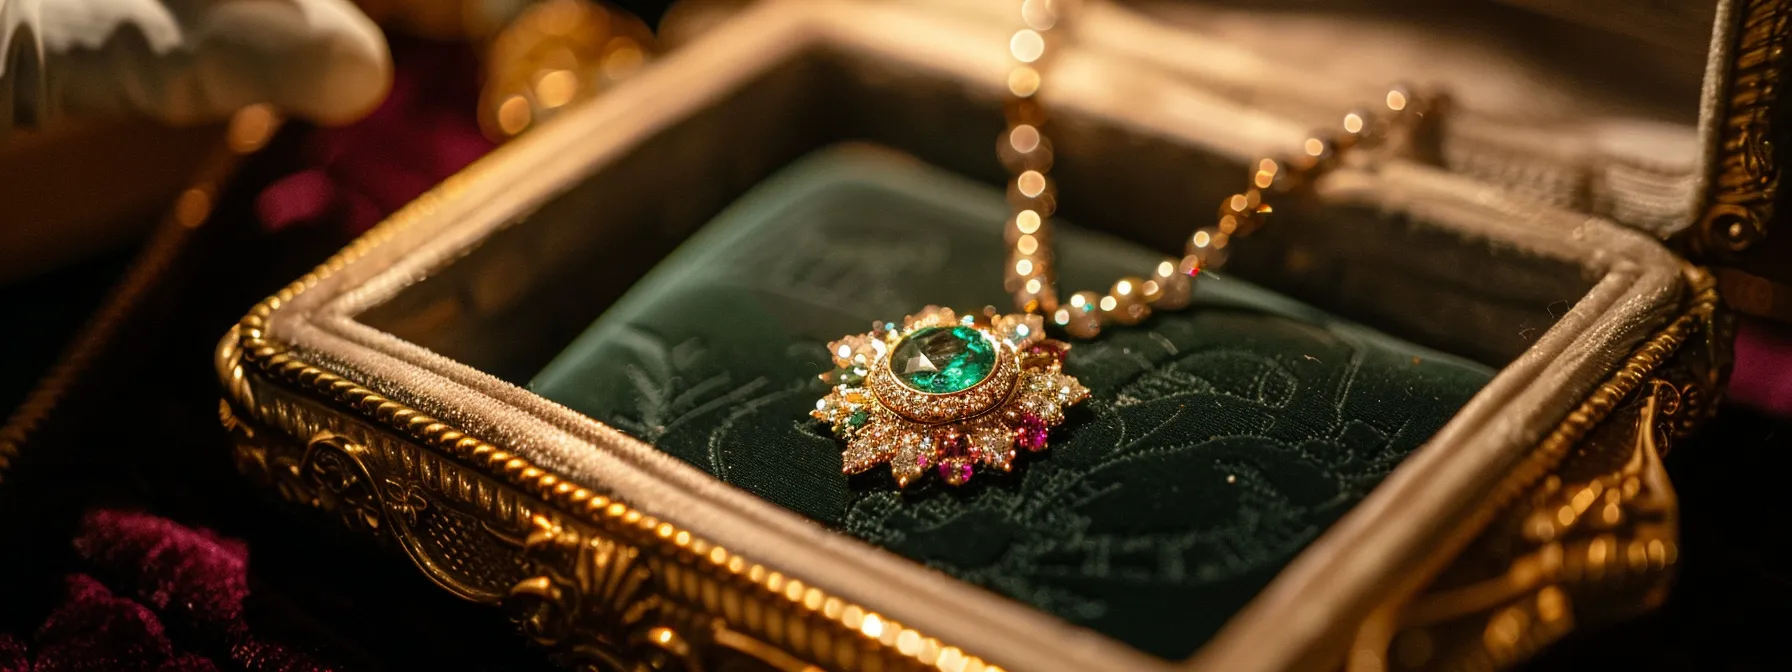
[(933, 408)]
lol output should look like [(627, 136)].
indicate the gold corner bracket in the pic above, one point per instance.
[(1741, 199), (1733, 230), (1589, 532)]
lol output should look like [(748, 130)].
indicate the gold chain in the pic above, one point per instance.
[(1024, 148)]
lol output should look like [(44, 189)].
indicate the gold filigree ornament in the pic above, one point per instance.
[(946, 392), (949, 393)]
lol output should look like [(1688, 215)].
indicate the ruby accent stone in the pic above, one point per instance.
[(1030, 433)]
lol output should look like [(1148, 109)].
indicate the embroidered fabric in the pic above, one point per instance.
[(1220, 440)]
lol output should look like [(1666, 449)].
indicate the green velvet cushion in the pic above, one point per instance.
[(1219, 442)]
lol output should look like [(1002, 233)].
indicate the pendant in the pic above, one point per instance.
[(946, 392)]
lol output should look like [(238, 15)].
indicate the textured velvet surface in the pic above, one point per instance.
[(1220, 441), (151, 595)]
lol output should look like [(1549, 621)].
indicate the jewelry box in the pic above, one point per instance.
[(401, 386)]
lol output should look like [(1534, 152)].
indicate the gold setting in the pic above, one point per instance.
[(933, 408), (885, 422)]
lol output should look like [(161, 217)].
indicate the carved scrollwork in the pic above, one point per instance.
[(453, 547), (1593, 542), (587, 595), (268, 461), (1740, 203), (1702, 364), (339, 482), (594, 600)]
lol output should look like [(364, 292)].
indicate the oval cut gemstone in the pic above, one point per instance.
[(942, 360)]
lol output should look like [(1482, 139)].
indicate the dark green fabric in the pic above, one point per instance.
[(1219, 442)]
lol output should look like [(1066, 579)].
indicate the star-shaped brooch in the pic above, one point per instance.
[(946, 392)]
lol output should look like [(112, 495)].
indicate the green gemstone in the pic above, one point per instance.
[(940, 360)]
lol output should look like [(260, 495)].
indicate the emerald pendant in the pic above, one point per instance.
[(943, 360), (946, 394)]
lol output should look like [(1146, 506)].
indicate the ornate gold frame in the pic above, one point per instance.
[(1588, 523), (611, 586), (607, 585)]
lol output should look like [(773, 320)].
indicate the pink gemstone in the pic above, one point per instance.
[(1030, 433)]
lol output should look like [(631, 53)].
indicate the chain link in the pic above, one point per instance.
[(1026, 150)]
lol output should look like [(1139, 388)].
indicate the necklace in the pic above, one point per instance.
[(948, 392)]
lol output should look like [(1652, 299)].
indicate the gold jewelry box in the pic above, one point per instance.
[(374, 388)]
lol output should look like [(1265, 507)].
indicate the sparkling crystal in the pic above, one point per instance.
[(1019, 329), (940, 360), (925, 450)]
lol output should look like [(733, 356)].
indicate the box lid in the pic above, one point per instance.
[(1655, 115), (1733, 207)]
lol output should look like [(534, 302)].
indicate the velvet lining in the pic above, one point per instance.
[(1220, 440)]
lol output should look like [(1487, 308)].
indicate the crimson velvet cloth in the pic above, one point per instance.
[(1763, 376), (150, 594), (354, 176)]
